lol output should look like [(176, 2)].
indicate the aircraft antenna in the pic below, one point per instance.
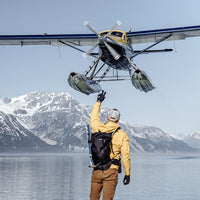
[(174, 43), (59, 52)]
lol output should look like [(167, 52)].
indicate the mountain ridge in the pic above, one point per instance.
[(15, 137), (193, 140), (60, 120)]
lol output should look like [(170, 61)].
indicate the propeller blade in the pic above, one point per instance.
[(85, 23), (117, 23), (112, 51), (85, 54), (108, 39)]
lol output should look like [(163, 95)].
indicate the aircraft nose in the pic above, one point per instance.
[(102, 40)]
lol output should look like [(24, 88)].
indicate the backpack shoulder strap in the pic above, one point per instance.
[(115, 130), (112, 135)]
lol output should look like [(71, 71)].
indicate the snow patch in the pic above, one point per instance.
[(49, 141)]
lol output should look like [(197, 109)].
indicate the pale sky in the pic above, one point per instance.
[(173, 106)]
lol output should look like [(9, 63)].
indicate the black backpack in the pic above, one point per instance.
[(101, 147)]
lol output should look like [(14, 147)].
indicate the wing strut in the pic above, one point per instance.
[(67, 44), (154, 44), (104, 74)]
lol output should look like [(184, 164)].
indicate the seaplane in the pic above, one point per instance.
[(115, 53)]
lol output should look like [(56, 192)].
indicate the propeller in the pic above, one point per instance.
[(117, 23), (85, 23), (109, 39), (104, 39), (85, 54), (112, 51)]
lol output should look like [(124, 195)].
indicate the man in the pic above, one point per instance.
[(107, 179)]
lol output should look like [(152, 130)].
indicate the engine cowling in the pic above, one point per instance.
[(83, 84)]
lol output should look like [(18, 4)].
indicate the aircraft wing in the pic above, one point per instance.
[(135, 37), (150, 36), (47, 39)]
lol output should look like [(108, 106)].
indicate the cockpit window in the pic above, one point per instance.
[(117, 34), (104, 33), (114, 33)]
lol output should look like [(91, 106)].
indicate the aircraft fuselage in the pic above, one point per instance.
[(121, 63), (114, 50)]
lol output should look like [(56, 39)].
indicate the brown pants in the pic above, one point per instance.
[(106, 180)]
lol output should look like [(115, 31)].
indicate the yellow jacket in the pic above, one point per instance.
[(120, 140)]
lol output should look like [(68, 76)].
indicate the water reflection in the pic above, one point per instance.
[(67, 177), (43, 177), (186, 157)]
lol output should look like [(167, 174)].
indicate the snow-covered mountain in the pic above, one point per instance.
[(180, 136), (153, 139), (193, 140), (60, 120), (57, 119), (15, 137)]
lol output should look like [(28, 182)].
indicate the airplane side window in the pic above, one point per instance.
[(102, 34), (117, 34)]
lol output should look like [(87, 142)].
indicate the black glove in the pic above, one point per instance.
[(126, 180), (101, 96)]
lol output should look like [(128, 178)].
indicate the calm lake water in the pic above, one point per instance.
[(67, 177)]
